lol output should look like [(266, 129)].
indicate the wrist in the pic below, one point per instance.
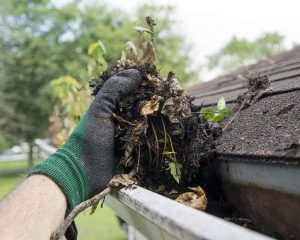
[(67, 173), (65, 168)]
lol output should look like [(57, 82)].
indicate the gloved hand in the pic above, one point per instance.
[(83, 165)]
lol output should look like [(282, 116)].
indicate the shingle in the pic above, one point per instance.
[(265, 128)]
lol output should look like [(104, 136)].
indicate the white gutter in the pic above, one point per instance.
[(157, 217)]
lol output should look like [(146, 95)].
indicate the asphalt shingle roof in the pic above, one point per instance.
[(270, 127)]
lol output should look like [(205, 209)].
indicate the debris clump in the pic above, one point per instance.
[(160, 133), (257, 86)]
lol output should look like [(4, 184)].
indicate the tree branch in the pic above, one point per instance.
[(79, 208)]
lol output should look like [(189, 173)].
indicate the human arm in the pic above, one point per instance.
[(83, 165), (33, 210)]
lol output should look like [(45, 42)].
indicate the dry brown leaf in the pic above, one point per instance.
[(173, 191), (196, 199), (176, 109), (169, 110), (94, 207), (177, 106), (155, 82), (121, 180), (135, 137), (151, 106), (176, 87), (149, 53), (132, 49)]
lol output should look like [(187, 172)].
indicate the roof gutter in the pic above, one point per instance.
[(266, 191), (158, 217), (153, 216)]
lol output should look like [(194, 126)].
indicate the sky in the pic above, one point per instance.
[(210, 24)]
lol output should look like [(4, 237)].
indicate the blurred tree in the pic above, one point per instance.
[(242, 51), (4, 144), (40, 41)]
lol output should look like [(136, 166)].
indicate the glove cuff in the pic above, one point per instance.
[(65, 168), (67, 173)]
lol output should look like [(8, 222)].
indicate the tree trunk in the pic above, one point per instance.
[(30, 154)]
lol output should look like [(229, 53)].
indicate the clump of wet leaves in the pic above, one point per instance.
[(160, 133)]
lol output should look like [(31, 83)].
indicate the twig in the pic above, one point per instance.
[(156, 143), (155, 135), (102, 203), (79, 208), (90, 202), (149, 150), (206, 113), (238, 111), (120, 119), (165, 133), (127, 161), (172, 148), (139, 156), (171, 75)]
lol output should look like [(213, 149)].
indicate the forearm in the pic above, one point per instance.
[(81, 168), (33, 210)]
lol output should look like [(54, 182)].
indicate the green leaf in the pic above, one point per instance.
[(65, 80), (92, 48), (97, 63), (175, 170), (91, 68), (226, 112), (167, 153), (218, 118), (102, 46), (221, 115), (96, 67), (142, 29), (97, 46), (162, 140), (221, 103), (208, 113)]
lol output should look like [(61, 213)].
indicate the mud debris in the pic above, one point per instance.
[(159, 131)]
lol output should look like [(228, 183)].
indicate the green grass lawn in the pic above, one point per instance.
[(13, 165), (102, 225)]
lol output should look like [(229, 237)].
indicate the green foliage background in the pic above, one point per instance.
[(239, 51), (40, 42)]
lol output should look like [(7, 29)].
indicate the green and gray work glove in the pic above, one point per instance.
[(84, 164)]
